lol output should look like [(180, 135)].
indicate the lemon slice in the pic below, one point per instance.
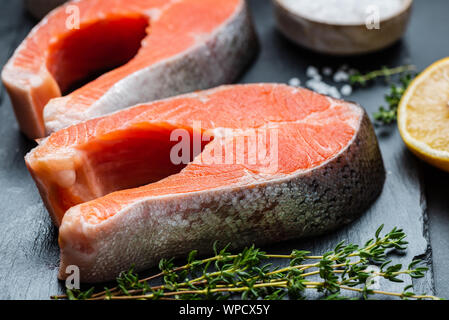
[(423, 115)]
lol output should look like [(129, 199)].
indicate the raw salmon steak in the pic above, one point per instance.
[(261, 163), (146, 50)]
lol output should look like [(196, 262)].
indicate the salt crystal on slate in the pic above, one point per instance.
[(315, 81), (294, 82), (323, 88), (346, 90), (341, 76), (312, 72), (334, 93)]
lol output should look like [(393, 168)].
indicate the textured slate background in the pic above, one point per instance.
[(28, 241)]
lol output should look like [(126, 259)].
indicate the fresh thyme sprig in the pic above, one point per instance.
[(387, 115), (246, 275), (385, 72), (393, 98)]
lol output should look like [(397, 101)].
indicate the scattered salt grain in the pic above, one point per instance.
[(341, 76), (294, 82), (346, 90), (334, 93), (323, 88), (343, 11), (312, 72), (316, 83)]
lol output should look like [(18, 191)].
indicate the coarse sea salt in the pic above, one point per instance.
[(294, 82), (341, 76), (312, 72), (316, 83), (343, 11), (323, 88), (346, 90)]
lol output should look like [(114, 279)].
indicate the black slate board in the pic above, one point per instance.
[(402, 202), (28, 241)]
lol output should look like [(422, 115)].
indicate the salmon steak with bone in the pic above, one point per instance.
[(240, 164), (143, 50)]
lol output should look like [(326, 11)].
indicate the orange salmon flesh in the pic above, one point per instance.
[(111, 181), (128, 52)]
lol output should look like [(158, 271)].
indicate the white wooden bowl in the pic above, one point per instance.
[(341, 39)]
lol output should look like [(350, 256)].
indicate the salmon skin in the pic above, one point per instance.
[(153, 48), (136, 205)]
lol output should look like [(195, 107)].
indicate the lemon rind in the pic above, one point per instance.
[(419, 146)]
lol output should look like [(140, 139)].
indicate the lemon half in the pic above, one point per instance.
[(423, 115)]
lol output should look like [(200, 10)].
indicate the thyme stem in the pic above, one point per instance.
[(225, 275), (363, 79)]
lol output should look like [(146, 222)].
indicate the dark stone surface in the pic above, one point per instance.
[(28, 241)]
